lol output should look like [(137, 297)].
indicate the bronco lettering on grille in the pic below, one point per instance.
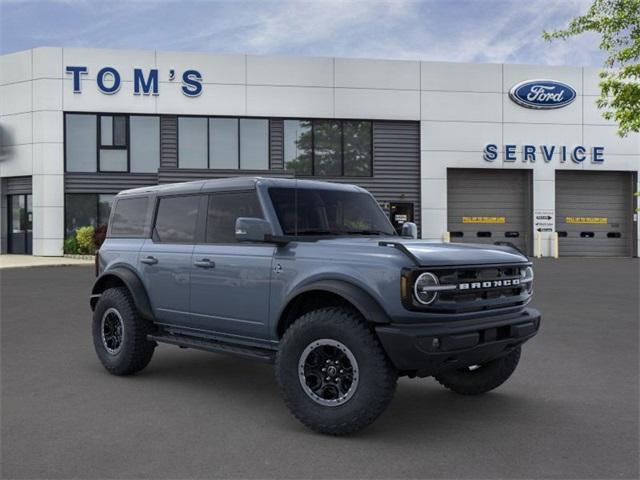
[(509, 282)]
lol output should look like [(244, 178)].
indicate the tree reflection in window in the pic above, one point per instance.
[(329, 148)]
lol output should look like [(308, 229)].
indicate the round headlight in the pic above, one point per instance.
[(425, 288)]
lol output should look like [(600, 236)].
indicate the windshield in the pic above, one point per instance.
[(328, 212)]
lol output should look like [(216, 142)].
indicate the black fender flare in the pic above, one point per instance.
[(368, 306), (133, 284)]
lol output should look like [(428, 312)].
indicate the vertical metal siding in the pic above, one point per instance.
[(276, 144), (168, 141), (600, 195)]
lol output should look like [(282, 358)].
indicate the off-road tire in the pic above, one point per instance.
[(377, 376), (489, 376), (136, 351)]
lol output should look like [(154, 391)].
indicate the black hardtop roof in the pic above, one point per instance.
[(236, 183)]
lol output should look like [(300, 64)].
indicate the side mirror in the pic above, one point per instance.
[(250, 229), (409, 230)]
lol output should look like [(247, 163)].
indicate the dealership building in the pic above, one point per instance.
[(470, 152)]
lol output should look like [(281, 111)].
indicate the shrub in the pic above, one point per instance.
[(71, 245), (99, 235), (84, 237)]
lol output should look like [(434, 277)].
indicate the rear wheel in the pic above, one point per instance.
[(332, 372), (120, 334), (479, 379)]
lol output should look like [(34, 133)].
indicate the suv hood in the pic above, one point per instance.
[(434, 253), (430, 253)]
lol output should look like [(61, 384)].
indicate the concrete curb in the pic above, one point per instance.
[(28, 261)]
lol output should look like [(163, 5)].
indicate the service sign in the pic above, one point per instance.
[(542, 94)]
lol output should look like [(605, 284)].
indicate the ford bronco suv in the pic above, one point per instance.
[(310, 276)]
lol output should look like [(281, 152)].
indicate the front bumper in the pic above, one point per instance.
[(427, 349)]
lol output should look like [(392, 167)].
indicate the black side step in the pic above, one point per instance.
[(259, 354)]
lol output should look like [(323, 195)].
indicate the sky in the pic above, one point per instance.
[(486, 31)]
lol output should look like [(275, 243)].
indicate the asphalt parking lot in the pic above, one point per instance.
[(569, 411)]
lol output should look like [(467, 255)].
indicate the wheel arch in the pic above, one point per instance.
[(329, 293), (123, 277)]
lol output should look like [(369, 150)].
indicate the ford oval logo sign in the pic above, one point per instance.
[(542, 94)]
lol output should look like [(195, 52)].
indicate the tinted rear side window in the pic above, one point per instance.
[(129, 217), (176, 219), (224, 209)]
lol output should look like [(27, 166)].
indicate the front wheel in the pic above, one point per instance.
[(479, 379), (333, 373)]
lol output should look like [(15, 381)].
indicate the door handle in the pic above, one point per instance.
[(149, 260), (204, 263)]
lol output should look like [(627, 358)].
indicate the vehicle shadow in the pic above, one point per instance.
[(420, 407)]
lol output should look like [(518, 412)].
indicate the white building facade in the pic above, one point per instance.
[(456, 147)]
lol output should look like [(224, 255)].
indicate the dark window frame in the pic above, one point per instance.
[(98, 115), (342, 121), (239, 156), (100, 147), (208, 195)]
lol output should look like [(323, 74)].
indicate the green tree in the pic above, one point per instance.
[(618, 23)]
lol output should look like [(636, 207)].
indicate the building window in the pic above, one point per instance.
[(192, 142), (357, 148), (223, 143), (297, 146), (176, 219), (329, 148), (254, 144), (112, 143), (80, 142), (86, 209), (145, 143)]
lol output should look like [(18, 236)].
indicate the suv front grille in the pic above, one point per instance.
[(481, 288)]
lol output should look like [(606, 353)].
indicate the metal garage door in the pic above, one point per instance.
[(593, 213), (487, 206)]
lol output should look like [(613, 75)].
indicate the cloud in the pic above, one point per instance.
[(444, 30)]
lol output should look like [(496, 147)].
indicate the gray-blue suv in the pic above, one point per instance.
[(310, 276)]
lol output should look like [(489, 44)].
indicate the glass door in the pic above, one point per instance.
[(20, 224)]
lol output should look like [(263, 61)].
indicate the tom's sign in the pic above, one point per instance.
[(108, 80), (542, 94)]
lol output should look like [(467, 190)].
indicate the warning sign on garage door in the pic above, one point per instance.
[(587, 220), (484, 220)]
